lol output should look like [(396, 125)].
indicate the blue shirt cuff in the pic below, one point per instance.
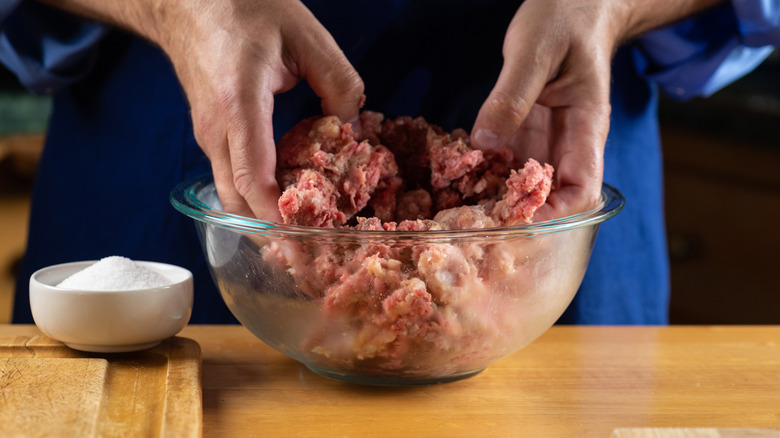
[(759, 21), (704, 54), (46, 48)]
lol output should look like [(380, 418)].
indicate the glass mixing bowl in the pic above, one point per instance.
[(394, 307)]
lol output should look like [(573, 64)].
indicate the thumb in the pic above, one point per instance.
[(529, 64), (341, 92), (332, 77), (508, 105)]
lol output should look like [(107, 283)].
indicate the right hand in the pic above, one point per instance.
[(551, 100), (231, 58)]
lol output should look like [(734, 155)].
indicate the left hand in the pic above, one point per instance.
[(551, 100)]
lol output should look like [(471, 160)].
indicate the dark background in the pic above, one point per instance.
[(722, 175)]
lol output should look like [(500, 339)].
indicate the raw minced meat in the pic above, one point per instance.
[(398, 169), (401, 300)]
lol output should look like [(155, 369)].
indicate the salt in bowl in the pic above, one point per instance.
[(115, 320)]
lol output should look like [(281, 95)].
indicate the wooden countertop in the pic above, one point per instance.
[(572, 382)]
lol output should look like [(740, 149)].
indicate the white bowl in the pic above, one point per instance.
[(110, 321)]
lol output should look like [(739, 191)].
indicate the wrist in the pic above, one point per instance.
[(636, 17)]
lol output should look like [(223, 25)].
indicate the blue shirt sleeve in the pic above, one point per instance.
[(759, 21), (700, 56), (46, 48)]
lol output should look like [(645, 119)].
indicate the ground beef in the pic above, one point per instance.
[(398, 169), (400, 299), (333, 161)]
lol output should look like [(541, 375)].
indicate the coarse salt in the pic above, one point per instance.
[(115, 273)]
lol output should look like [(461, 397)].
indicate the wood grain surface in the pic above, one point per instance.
[(35, 391), (702, 432), (50, 390), (572, 382)]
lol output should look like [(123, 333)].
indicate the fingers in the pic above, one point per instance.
[(242, 164), (231, 199), (581, 99), (338, 85), (551, 100), (233, 125), (320, 61), (252, 154), (579, 160), (310, 53), (527, 68), (505, 109), (234, 99)]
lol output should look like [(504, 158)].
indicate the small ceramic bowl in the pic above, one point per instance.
[(110, 321)]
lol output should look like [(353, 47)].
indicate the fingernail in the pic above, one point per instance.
[(486, 139)]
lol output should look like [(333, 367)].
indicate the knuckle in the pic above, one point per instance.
[(208, 133), (244, 182), (201, 128), (225, 98), (351, 83), (341, 75), (345, 84), (511, 109)]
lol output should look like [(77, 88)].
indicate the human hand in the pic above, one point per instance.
[(551, 100), (232, 57)]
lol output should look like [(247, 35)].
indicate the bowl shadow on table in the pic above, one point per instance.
[(275, 371)]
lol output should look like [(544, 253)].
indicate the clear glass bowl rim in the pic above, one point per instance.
[(184, 198)]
